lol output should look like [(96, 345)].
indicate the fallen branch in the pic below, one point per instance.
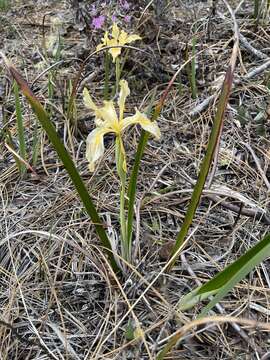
[(259, 54), (204, 104), (253, 213)]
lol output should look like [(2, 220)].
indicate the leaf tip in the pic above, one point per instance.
[(229, 76), (17, 77)]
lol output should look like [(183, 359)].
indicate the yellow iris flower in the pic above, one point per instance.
[(107, 121), (119, 38)]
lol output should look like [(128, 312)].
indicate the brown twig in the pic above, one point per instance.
[(257, 162), (253, 213), (204, 104), (27, 341), (259, 54)]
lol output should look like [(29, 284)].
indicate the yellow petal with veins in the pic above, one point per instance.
[(108, 114), (95, 146), (88, 102), (132, 38), (107, 121), (115, 51), (123, 38), (146, 124), (115, 31), (118, 38)]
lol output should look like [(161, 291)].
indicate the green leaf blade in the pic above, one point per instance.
[(206, 163), (20, 128), (48, 126), (225, 280)]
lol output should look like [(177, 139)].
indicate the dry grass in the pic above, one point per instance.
[(57, 298)]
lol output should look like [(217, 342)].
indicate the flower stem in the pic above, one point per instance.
[(117, 74), (125, 247), (120, 160), (107, 71)]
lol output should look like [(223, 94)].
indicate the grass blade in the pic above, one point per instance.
[(20, 129), (37, 135), (191, 67), (66, 159), (5, 136), (225, 280), (256, 9), (193, 70), (221, 284), (238, 271)]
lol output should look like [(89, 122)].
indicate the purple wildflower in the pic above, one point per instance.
[(114, 18), (127, 18), (98, 22), (125, 5)]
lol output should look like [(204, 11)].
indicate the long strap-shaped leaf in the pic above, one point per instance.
[(132, 186), (221, 284), (214, 136), (211, 148), (66, 159), (235, 272)]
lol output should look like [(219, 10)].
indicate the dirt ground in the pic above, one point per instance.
[(58, 299)]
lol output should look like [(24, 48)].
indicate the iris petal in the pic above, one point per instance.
[(124, 93), (132, 38), (119, 37), (107, 121), (123, 38), (115, 31), (108, 114), (115, 52), (88, 102), (95, 146), (146, 124)]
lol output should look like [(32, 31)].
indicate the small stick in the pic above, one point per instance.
[(259, 54), (256, 213), (255, 71), (257, 162), (253, 213), (29, 167)]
